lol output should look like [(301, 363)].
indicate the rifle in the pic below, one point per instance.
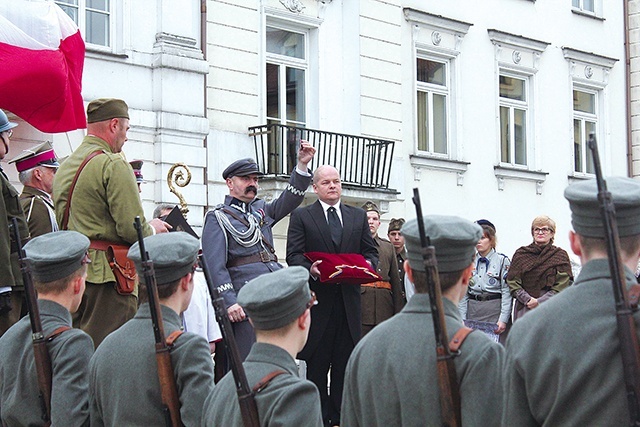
[(246, 400), (627, 334), (168, 389), (447, 379), (40, 351)]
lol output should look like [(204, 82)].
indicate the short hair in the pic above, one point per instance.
[(543, 221), (490, 233), (157, 212), (165, 290), (25, 177), (629, 245), (56, 287), (447, 280), (278, 332)]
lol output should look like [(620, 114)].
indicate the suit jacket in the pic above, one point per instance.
[(309, 232)]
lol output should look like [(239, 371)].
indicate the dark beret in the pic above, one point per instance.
[(242, 167), (102, 109), (487, 223)]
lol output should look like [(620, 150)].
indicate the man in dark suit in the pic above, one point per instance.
[(335, 325)]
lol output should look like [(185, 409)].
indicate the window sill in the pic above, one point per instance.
[(420, 161), (503, 172), (587, 14), (101, 52), (579, 176)]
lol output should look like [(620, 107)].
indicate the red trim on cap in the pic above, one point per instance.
[(32, 162)]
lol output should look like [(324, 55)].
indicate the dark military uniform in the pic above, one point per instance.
[(382, 299), (232, 263), (10, 275), (38, 209), (70, 354), (287, 400)]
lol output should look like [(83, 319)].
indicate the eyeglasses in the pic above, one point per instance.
[(9, 133), (543, 230), (86, 260), (313, 301)]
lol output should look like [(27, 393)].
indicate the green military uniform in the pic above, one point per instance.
[(288, 400), (104, 204), (391, 377), (70, 354), (563, 365), (38, 209), (54, 257), (274, 302), (10, 275), (380, 303)]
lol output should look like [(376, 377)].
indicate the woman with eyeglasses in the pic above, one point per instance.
[(538, 271)]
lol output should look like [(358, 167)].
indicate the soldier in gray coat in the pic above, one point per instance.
[(237, 238), (278, 305), (58, 267), (563, 363), (391, 377), (124, 385)]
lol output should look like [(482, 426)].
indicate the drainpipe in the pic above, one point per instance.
[(203, 46), (627, 67)]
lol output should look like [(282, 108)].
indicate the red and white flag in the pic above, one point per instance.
[(42, 57)]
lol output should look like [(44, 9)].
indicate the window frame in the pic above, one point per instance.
[(512, 105), (580, 9), (585, 117), (82, 11), (432, 89)]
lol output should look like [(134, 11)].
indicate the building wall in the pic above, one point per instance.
[(634, 47)]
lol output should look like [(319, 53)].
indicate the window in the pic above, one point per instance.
[(93, 17), (432, 105), (286, 88), (584, 123), (514, 107), (584, 5)]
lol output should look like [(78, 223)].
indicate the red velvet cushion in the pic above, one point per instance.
[(343, 268)]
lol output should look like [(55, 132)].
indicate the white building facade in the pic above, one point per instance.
[(483, 106)]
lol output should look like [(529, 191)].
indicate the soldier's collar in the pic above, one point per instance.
[(239, 205)]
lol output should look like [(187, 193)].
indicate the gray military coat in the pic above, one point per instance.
[(287, 400), (124, 385), (563, 365), (391, 378), (70, 354)]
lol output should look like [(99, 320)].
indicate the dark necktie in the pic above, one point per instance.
[(335, 226), (483, 259)]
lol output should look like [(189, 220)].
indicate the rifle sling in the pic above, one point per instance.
[(458, 338), (173, 336), (634, 296), (260, 385), (57, 332), (65, 217)]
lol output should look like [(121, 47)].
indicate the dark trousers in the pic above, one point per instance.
[(245, 337), (332, 355)]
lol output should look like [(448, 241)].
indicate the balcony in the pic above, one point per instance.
[(364, 163)]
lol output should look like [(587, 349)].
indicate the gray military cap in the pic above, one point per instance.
[(56, 255), (585, 207), (276, 299), (242, 167), (454, 239), (173, 255)]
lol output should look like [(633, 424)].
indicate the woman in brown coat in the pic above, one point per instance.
[(538, 271)]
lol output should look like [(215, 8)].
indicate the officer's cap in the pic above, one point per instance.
[(56, 255), (276, 299), (242, 167), (102, 109), (454, 239), (41, 155), (395, 224), (173, 255), (585, 207)]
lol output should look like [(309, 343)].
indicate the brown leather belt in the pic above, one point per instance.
[(379, 285), (262, 256), (487, 297), (103, 245)]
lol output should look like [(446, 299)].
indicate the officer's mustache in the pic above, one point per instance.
[(252, 188)]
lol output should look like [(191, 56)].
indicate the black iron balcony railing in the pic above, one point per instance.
[(362, 161)]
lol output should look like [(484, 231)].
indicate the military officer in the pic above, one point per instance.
[(278, 305), (396, 239), (381, 299), (102, 205), (576, 377), (391, 376), (237, 239), (124, 385), (136, 165), (36, 169), (58, 262), (12, 305)]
